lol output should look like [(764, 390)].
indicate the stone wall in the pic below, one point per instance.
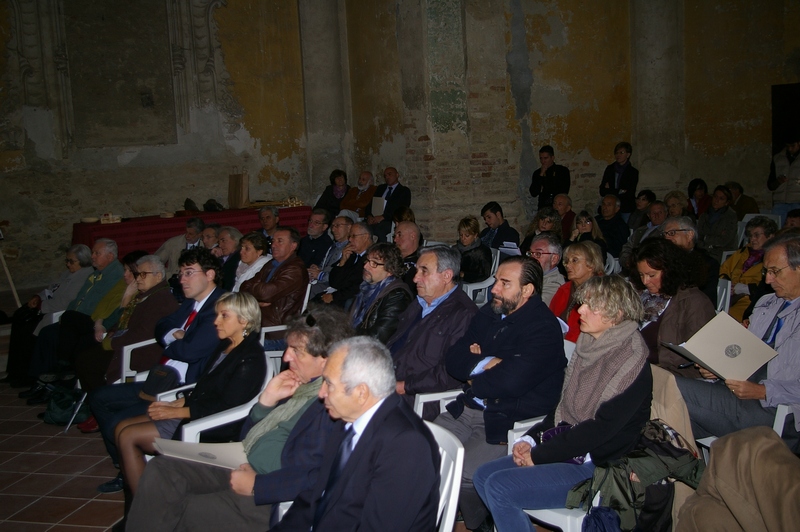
[(457, 94)]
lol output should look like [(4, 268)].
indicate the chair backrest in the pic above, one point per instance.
[(740, 238), (431, 243), (726, 255), (305, 301), (612, 265), (450, 469), (775, 217), (569, 348), (495, 260), (723, 295)]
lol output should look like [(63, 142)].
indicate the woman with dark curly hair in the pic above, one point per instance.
[(673, 309), (332, 196), (699, 200), (546, 219)]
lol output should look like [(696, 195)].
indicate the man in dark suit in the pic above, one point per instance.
[(347, 274), (382, 471), (395, 196), (227, 251), (610, 222), (189, 339), (315, 244), (497, 229), (512, 358)]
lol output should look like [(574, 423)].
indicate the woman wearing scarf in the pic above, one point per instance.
[(332, 196), (605, 402), (621, 178), (251, 250), (383, 295), (743, 268), (476, 257), (717, 228), (674, 310)]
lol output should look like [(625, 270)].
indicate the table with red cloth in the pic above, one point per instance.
[(149, 232)]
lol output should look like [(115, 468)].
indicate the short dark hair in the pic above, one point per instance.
[(767, 224), (325, 214), (131, 258), (625, 145), (493, 207), (696, 183), (336, 173), (530, 271), (671, 260), (389, 255), (725, 190), (256, 239), (195, 223), (203, 258), (294, 235), (321, 326), (648, 194), (547, 149), (794, 213), (215, 226), (735, 185)]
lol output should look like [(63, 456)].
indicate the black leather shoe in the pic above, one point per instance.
[(112, 486), (34, 390), (41, 398)]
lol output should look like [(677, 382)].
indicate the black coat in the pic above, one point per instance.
[(476, 264), (627, 182), (382, 317), (555, 181)]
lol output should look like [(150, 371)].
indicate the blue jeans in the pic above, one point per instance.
[(507, 489), (112, 404)]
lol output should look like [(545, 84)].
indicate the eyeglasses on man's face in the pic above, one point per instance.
[(537, 254), (673, 232)]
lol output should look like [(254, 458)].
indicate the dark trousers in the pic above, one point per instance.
[(91, 366), (75, 335), (22, 341), (43, 359), (112, 404)]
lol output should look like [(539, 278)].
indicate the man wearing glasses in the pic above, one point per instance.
[(316, 243), (681, 231), (189, 338), (546, 249), (346, 275), (319, 275), (721, 407)]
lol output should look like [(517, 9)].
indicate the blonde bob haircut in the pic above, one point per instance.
[(591, 254), (243, 305), (613, 297)]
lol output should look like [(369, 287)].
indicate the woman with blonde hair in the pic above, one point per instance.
[(476, 257), (582, 262)]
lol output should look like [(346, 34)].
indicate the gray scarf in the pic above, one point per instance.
[(600, 369)]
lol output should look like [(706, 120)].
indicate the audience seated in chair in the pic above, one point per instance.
[(347, 274), (497, 228), (319, 275)]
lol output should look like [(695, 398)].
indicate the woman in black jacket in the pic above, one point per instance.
[(476, 257), (231, 378), (604, 405)]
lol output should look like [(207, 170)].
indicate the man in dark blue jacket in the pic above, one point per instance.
[(512, 359), (189, 339)]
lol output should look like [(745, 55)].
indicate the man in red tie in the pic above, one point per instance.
[(189, 339)]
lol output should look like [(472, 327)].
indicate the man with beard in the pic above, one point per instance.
[(512, 360)]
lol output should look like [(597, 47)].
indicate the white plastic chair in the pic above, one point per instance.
[(127, 372), (479, 292), (192, 430), (450, 469), (431, 243), (781, 412), (568, 520), (723, 295), (612, 265), (726, 255), (775, 217)]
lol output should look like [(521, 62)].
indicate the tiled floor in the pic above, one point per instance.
[(48, 479)]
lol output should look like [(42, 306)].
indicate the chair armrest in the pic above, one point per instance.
[(780, 419), (171, 395), (192, 430), (126, 358), (519, 430), (443, 397), (283, 508)]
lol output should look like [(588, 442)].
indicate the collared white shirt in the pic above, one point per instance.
[(360, 424)]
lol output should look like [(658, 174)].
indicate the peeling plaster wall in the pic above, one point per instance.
[(735, 51)]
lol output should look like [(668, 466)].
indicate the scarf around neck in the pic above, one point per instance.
[(245, 272), (365, 298), (303, 394), (462, 248), (600, 369)]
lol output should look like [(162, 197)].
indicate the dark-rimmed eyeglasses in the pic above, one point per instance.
[(537, 254)]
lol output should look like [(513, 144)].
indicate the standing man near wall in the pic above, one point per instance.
[(549, 180), (621, 178), (784, 178), (395, 195)]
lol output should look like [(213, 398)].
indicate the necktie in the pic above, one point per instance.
[(345, 450), (772, 331), (189, 320), (388, 193)]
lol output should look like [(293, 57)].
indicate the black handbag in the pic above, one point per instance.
[(160, 379)]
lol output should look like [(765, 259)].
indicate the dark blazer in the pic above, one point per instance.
[(301, 457), (200, 341), (615, 232), (401, 197), (313, 250), (555, 181), (229, 271), (347, 279), (330, 202), (527, 383), (382, 317), (419, 345), (390, 482), (236, 380), (627, 182), (505, 233), (285, 292)]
